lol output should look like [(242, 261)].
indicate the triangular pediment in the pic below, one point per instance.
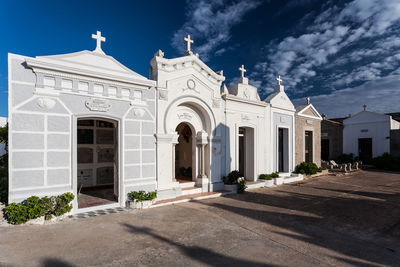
[(280, 100), (365, 117), (308, 111), (88, 63)]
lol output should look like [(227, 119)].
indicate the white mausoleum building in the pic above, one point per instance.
[(86, 124)]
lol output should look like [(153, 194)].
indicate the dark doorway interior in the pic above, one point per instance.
[(325, 149), (183, 153), (365, 149), (280, 148), (242, 151), (97, 163), (308, 146)]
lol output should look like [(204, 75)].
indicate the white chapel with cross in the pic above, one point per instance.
[(83, 122)]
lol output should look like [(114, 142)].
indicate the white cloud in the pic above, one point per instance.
[(333, 42), (210, 22), (380, 95)]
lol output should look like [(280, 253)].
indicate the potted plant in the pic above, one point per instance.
[(140, 199), (231, 181), (268, 179)]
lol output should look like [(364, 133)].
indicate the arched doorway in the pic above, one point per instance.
[(97, 162), (184, 153)]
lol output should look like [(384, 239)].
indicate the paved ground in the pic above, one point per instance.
[(347, 220)]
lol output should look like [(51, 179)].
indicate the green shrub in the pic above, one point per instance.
[(387, 162), (232, 177), (142, 195), (265, 177), (268, 176), (35, 207), (275, 175), (16, 213), (307, 168), (62, 204), (241, 186)]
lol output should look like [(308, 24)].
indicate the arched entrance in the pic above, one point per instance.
[(97, 162), (184, 152)]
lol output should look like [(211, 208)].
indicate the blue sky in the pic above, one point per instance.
[(342, 54)]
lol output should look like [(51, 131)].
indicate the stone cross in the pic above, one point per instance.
[(308, 100), (242, 70), (365, 107), (279, 80), (99, 39), (188, 42)]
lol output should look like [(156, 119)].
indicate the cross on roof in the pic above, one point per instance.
[(308, 100), (99, 39), (242, 70), (279, 80), (188, 42), (365, 107)]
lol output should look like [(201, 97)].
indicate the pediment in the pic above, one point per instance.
[(365, 117), (86, 63), (191, 83), (280, 100), (309, 111)]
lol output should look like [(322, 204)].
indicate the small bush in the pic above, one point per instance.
[(241, 186), (142, 195), (387, 162), (265, 177), (268, 176), (307, 168), (16, 213), (232, 177), (275, 175), (35, 207)]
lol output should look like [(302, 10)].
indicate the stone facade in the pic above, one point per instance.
[(307, 119), (332, 131)]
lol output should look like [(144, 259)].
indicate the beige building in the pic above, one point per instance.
[(308, 134)]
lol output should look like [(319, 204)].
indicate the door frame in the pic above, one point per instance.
[(119, 154)]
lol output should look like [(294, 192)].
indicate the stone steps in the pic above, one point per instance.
[(190, 190), (186, 184), (187, 198)]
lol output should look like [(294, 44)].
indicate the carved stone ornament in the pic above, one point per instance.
[(245, 117), (191, 85), (139, 112), (98, 104), (46, 103), (184, 116), (163, 95)]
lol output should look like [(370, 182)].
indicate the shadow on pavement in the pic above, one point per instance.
[(197, 253)]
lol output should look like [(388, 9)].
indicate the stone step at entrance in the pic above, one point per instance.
[(186, 184), (191, 190), (187, 198), (255, 184)]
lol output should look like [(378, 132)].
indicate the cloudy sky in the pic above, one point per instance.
[(342, 54)]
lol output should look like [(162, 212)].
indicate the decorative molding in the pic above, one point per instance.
[(309, 122), (163, 95), (245, 117), (98, 104), (191, 85), (184, 115), (46, 103)]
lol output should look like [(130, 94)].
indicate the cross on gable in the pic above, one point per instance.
[(279, 80), (242, 70), (365, 107), (98, 39), (188, 42)]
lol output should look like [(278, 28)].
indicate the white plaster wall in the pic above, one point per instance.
[(378, 131)]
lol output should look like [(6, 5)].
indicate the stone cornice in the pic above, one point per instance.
[(45, 67), (247, 101)]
